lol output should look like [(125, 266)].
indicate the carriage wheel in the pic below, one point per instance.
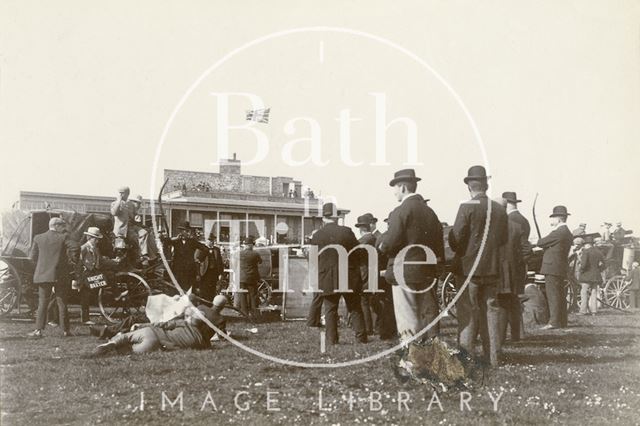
[(572, 294), (10, 288), (616, 292), (447, 292), (126, 296), (264, 293)]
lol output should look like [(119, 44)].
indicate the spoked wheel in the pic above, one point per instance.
[(10, 288), (572, 294), (616, 292), (264, 293), (447, 292), (126, 296)]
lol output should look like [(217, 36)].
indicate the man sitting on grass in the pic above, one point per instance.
[(192, 332)]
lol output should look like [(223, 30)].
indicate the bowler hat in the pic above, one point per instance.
[(56, 221), (405, 175), (476, 173), (559, 211), (185, 225), (329, 210), (366, 220), (511, 197), (93, 231)]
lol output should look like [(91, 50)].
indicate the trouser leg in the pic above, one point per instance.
[(44, 294), (365, 300), (61, 300), (593, 298), (137, 341), (330, 303), (245, 304), (354, 307), (315, 310), (515, 318), (584, 297), (494, 320), (467, 311), (553, 289), (85, 302), (633, 299)]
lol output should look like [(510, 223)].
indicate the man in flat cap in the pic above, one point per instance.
[(580, 230), (329, 271), (413, 226), (555, 265), (478, 250), (53, 252)]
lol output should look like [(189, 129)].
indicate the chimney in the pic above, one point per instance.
[(230, 166)]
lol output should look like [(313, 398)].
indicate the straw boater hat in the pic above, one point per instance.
[(405, 175), (93, 231)]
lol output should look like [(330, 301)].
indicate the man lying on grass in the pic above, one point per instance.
[(192, 332)]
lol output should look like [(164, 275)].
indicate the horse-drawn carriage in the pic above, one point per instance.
[(123, 289)]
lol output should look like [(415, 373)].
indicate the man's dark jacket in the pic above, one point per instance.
[(517, 217), (184, 253), (465, 238), (591, 266), (53, 253), (369, 240), (413, 222), (332, 233), (556, 254)]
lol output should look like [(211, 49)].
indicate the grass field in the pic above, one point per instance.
[(587, 375)]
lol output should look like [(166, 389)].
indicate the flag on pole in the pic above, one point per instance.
[(259, 115)]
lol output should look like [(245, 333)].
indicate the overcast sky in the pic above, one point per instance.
[(87, 88)]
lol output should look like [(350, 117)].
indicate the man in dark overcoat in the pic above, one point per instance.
[(53, 252), (478, 261), (329, 271), (414, 245), (555, 265)]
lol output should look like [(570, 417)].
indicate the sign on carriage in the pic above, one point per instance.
[(96, 281)]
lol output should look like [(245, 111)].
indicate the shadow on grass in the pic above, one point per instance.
[(586, 340)]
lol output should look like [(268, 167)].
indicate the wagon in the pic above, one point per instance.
[(618, 260), (121, 292)]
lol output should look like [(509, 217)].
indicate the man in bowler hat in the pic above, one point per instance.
[(555, 264), (329, 271), (477, 260), (184, 261), (411, 225)]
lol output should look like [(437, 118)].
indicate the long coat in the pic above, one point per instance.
[(517, 217), (413, 222), (370, 240), (52, 252), (465, 238), (328, 261), (514, 266), (555, 260)]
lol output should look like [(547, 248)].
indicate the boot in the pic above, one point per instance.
[(496, 322)]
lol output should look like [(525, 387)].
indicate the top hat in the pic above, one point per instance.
[(405, 175), (511, 197), (559, 211), (93, 231), (365, 220), (329, 210), (476, 173)]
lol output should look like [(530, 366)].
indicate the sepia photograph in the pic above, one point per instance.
[(324, 213)]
